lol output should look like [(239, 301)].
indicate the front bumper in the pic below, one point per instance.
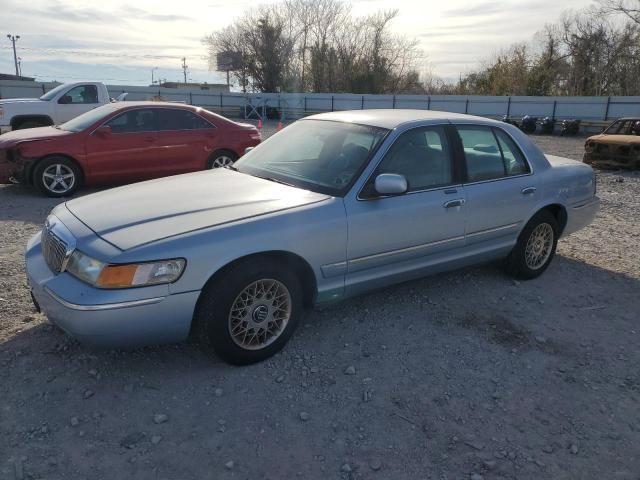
[(112, 318), (579, 216)]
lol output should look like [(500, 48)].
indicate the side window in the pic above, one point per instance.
[(134, 121), (82, 94), (423, 156), (175, 119), (514, 160)]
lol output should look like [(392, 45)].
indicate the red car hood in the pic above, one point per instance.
[(29, 134)]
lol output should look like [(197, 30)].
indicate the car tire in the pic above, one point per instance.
[(221, 158), (249, 313), (535, 248), (57, 176)]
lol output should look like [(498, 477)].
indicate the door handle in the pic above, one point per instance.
[(528, 190), (458, 202)]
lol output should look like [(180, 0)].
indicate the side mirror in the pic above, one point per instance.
[(65, 99), (248, 149), (390, 184), (103, 131)]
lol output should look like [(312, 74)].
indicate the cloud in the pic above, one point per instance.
[(478, 9)]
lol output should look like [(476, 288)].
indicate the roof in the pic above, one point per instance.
[(390, 119), (149, 103)]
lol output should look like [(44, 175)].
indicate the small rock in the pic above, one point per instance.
[(346, 468), (159, 418), (619, 179), (304, 416), (218, 393), (88, 394), (541, 339), (489, 464), (280, 379), (475, 445), (516, 283), (75, 421), (93, 372), (132, 439), (375, 464), (156, 439), (574, 449), (547, 449), (229, 465), (476, 476), (350, 370)]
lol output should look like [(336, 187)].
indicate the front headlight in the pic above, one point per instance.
[(103, 275)]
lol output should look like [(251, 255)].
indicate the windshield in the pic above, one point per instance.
[(87, 119), (52, 93), (317, 155)]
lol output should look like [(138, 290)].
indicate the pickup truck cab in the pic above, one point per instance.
[(57, 106)]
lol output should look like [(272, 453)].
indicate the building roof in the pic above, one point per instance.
[(387, 118)]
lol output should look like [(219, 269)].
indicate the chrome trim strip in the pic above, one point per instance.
[(433, 189), (334, 269), (588, 204), (105, 306), (492, 230), (405, 250)]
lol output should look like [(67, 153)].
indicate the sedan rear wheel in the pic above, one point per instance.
[(535, 248), (57, 176), (221, 158), (249, 312)]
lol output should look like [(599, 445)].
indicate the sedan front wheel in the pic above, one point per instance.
[(250, 312), (57, 176)]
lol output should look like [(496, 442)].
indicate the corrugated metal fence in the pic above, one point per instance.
[(294, 105)]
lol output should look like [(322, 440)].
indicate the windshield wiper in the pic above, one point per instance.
[(276, 180)]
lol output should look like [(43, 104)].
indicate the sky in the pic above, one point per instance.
[(122, 42)]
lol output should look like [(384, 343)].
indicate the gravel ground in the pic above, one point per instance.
[(466, 375)]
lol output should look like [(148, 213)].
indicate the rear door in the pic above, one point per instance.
[(128, 153), (500, 188), (184, 141)]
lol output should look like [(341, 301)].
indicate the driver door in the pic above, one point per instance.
[(76, 101), (391, 238)]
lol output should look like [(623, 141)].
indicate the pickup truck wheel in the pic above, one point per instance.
[(250, 313), (57, 176), (535, 248), (221, 158)]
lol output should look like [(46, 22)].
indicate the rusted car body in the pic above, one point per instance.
[(617, 147)]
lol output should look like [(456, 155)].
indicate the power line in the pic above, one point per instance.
[(88, 53)]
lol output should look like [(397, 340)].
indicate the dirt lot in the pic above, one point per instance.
[(467, 375)]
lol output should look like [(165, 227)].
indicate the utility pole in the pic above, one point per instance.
[(152, 70), (13, 39), (184, 69), (20, 66)]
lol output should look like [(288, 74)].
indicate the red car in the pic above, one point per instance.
[(121, 143)]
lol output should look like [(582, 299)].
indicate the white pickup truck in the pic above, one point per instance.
[(54, 107)]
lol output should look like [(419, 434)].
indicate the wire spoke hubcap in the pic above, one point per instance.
[(539, 246), (259, 314), (58, 178), (221, 161)]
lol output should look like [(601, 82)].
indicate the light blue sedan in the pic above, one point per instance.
[(334, 205)]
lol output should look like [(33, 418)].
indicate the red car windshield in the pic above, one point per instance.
[(87, 119)]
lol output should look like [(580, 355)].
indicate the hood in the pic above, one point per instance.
[(29, 134), (137, 214), (9, 101)]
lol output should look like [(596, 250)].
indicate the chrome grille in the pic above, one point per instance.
[(54, 250)]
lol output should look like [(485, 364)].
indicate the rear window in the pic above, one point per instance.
[(175, 119)]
